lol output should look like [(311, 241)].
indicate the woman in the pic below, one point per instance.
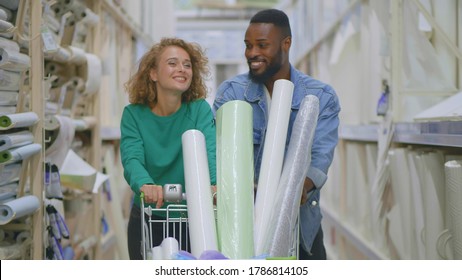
[(167, 96)]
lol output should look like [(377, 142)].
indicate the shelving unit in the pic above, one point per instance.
[(360, 169), (86, 239)]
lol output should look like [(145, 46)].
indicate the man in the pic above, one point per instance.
[(267, 43)]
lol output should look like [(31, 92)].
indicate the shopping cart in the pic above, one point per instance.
[(176, 223)]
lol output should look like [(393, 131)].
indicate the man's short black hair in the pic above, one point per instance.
[(274, 16)]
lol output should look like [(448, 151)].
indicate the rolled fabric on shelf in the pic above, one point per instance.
[(20, 153)]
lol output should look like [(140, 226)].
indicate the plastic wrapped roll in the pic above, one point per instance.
[(271, 165), (453, 175), (14, 61), (8, 191), (235, 180), (8, 98), (9, 44), (9, 80), (9, 173), (91, 73), (6, 28), (60, 55), (10, 4), (77, 55), (5, 14), (18, 120), (18, 208), (293, 176), (202, 227), (21, 153), (8, 141)]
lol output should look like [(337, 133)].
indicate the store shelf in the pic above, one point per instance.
[(367, 133), (353, 236), (444, 133)]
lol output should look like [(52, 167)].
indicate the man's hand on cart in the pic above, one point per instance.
[(153, 194)]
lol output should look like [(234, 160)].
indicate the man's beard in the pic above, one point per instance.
[(266, 75), (273, 68)]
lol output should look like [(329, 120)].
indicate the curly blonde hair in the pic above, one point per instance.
[(142, 90)]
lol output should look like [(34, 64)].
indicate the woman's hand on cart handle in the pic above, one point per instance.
[(153, 194)]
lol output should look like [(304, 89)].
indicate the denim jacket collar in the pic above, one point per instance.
[(255, 92)]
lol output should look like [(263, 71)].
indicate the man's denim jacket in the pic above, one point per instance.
[(324, 141)]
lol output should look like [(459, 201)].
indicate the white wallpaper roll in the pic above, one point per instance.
[(235, 180), (14, 61), (18, 208), (271, 165), (401, 185), (12, 140), (202, 228), (434, 218), (9, 80), (293, 176), (6, 28), (453, 175), (57, 151), (9, 44), (20, 153), (8, 98), (18, 120), (92, 72), (77, 55), (170, 247), (9, 173)]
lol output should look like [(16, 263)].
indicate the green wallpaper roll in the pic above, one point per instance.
[(235, 180)]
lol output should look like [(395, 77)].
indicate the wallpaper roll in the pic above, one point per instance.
[(8, 191), (21, 153), (91, 73), (12, 140), (271, 165), (18, 120), (6, 28), (60, 55), (434, 218), (9, 44), (156, 253), (77, 55), (57, 151), (9, 173), (198, 192), (11, 4), (9, 80), (401, 186), (8, 98), (235, 180), (13, 60), (18, 208), (170, 248), (5, 14), (453, 175), (296, 165)]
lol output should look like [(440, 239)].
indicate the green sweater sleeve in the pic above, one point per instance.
[(206, 124), (132, 152)]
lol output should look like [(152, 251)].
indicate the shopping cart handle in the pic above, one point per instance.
[(174, 193)]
